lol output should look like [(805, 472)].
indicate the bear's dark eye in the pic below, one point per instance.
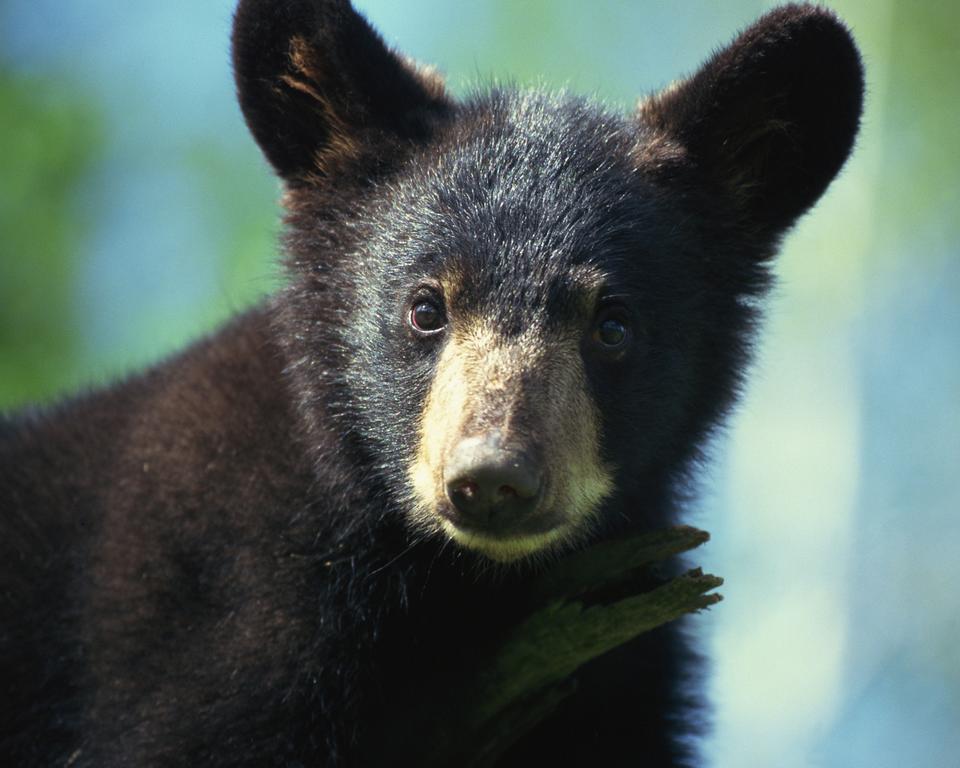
[(611, 333), (426, 318)]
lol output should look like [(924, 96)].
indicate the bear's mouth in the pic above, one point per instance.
[(505, 547), (507, 540)]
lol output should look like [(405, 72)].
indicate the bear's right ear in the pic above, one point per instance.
[(770, 119), (320, 90)]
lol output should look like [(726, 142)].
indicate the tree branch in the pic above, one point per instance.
[(588, 604)]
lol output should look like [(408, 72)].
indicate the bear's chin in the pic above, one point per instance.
[(511, 547)]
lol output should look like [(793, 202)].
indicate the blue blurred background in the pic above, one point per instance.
[(136, 214)]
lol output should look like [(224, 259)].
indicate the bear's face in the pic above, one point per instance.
[(523, 311), (529, 304)]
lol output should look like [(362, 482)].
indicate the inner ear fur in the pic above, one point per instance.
[(319, 89), (773, 116)]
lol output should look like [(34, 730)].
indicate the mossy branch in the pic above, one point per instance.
[(588, 604)]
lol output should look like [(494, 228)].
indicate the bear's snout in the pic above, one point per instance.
[(492, 488)]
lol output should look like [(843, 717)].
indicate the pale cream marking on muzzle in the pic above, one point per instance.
[(534, 387), (506, 550)]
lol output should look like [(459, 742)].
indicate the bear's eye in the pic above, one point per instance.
[(611, 333), (426, 318)]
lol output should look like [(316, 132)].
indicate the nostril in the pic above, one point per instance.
[(490, 486)]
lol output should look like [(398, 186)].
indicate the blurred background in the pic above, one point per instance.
[(136, 214)]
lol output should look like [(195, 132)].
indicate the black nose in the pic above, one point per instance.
[(491, 487)]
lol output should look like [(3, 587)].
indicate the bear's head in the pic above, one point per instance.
[(527, 310)]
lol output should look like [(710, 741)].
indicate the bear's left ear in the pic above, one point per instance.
[(771, 118), (320, 90)]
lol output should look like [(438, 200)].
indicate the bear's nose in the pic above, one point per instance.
[(492, 488)]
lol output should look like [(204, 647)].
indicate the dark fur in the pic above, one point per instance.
[(209, 563)]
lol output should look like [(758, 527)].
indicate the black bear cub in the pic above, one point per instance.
[(509, 324)]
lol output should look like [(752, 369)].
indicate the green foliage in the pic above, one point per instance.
[(243, 212), (50, 138), (922, 127)]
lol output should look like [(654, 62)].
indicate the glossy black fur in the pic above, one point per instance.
[(209, 563)]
